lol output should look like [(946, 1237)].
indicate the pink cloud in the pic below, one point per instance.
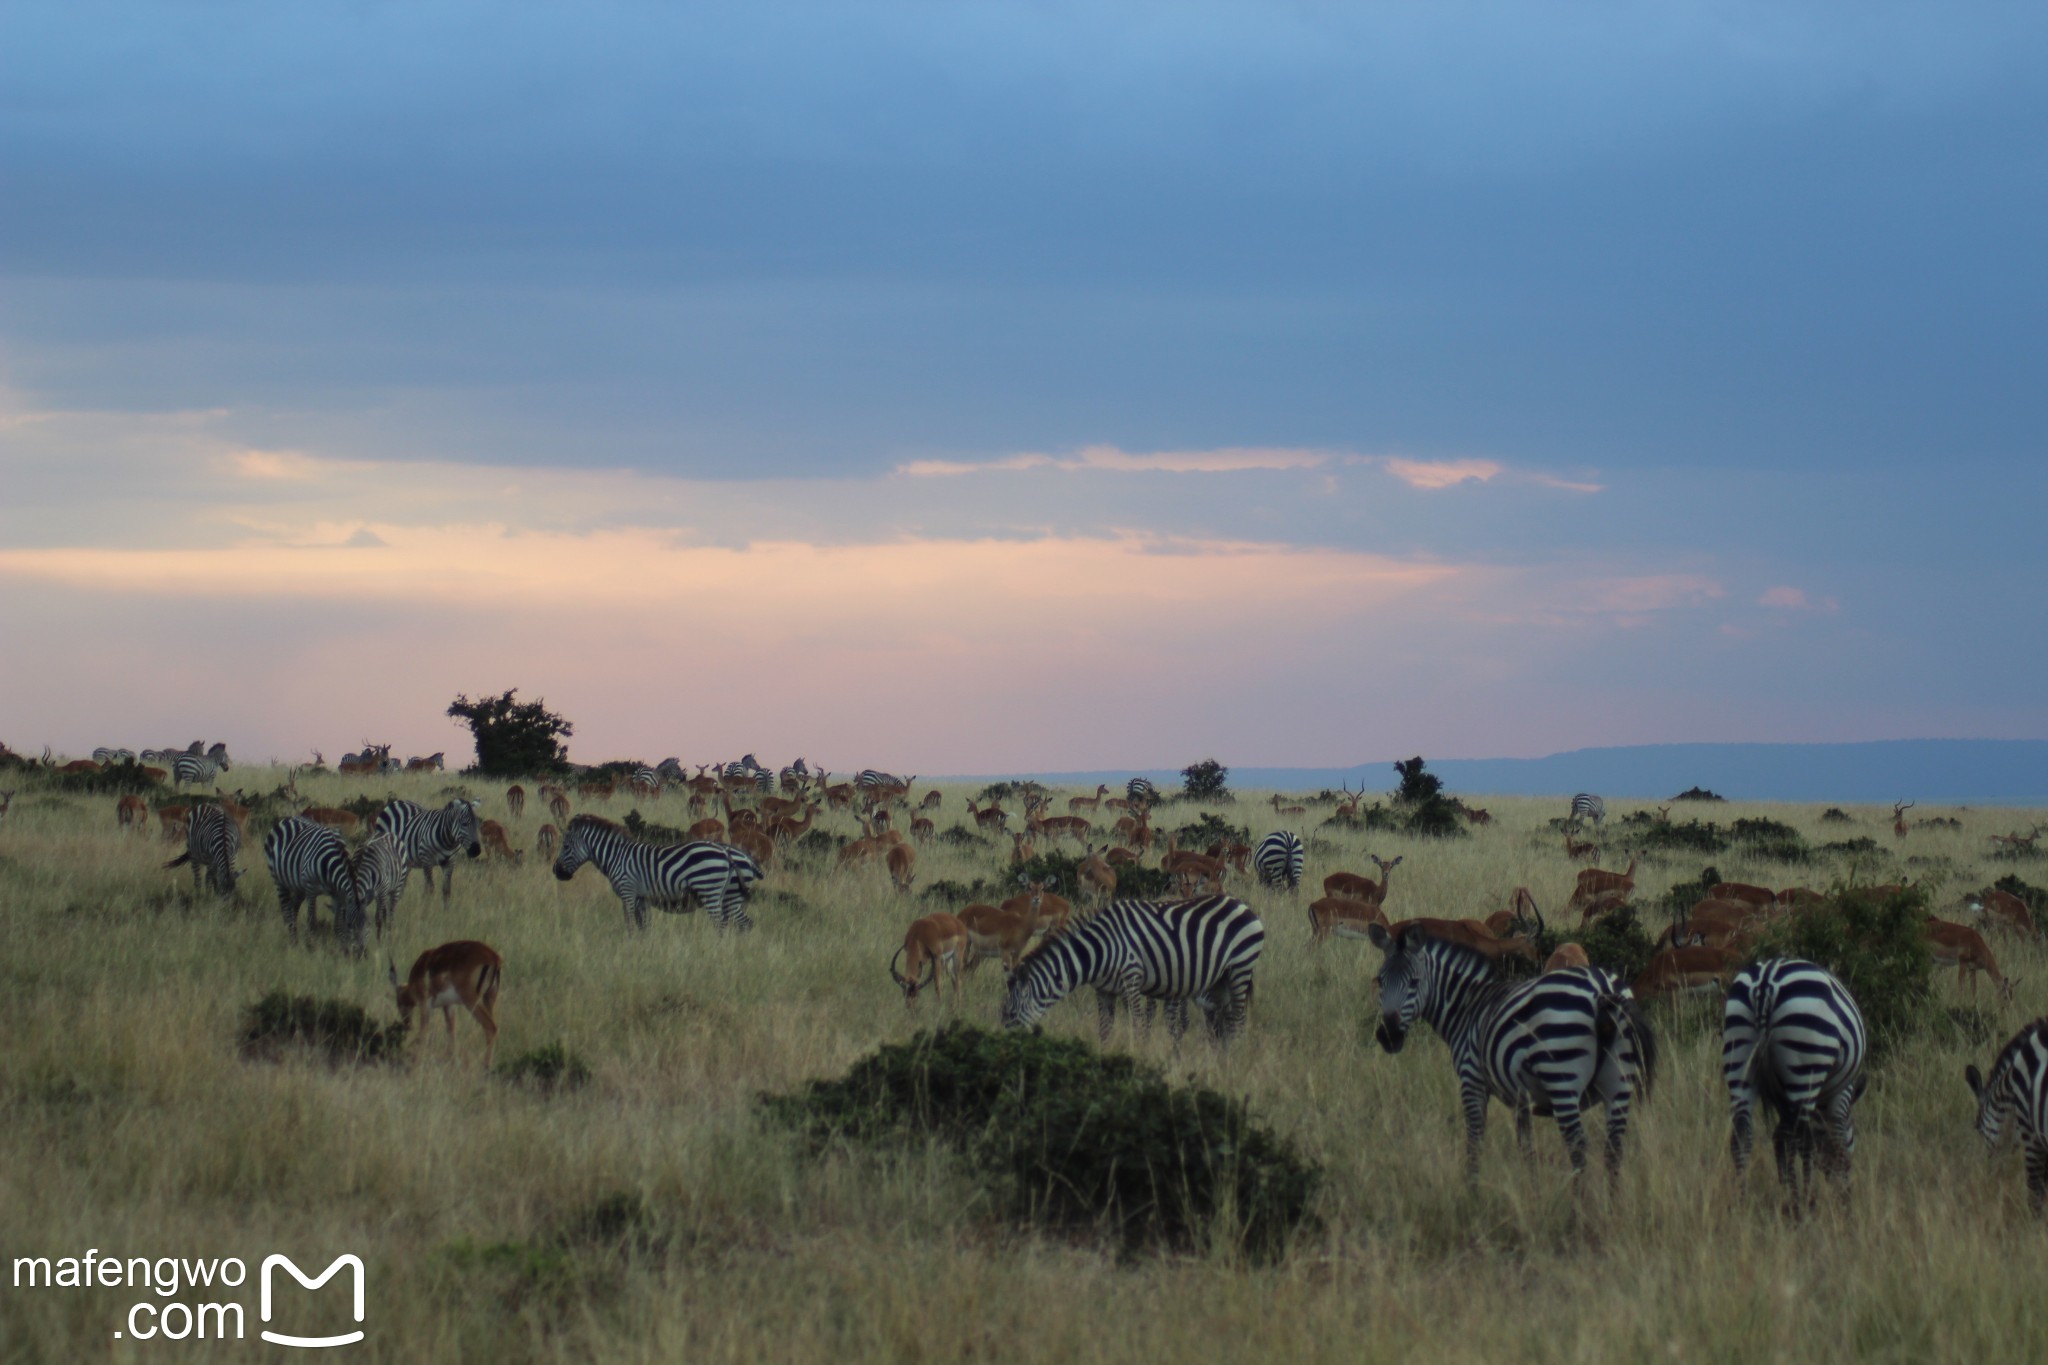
[(1109, 459), (1785, 598), (1441, 473)]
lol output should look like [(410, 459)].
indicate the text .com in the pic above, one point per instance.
[(215, 1319)]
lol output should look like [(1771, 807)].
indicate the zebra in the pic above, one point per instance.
[(2018, 1090), (747, 766), (1791, 1030), (380, 874), (109, 757), (671, 770), (431, 839), (717, 877), (645, 781), (1545, 1045), (1140, 789), (197, 768), (212, 839), (1278, 859), (872, 781), (308, 861), (1141, 951), (1586, 806), (795, 778)]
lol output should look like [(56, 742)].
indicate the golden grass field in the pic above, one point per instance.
[(131, 1125)]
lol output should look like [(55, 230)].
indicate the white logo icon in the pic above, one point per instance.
[(280, 1339)]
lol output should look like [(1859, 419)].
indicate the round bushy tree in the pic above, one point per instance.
[(1205, 781), (514, 738)]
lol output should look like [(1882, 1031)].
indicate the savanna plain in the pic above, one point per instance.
[(131, 1122)]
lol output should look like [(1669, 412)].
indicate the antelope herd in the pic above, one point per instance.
[(1137, 951)]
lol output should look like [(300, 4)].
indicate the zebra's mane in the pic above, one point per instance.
[(1447, 948), (602, 823)]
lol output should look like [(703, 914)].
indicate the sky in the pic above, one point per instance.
[(967, 387)]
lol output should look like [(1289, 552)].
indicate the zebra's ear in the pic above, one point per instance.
[(1381, 939), (1975, 1078)]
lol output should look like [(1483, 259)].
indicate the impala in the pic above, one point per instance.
[(1575, 850), (496, 844), (991, 816), (132, 812), (712, 828), (172, 819), (515, 800), (1342, 916), (1472, 934), (465, 973), (1279, 809), (544, 841), (754, 843), (999, 933), (1066, 826), (932, 800), (1899, 809), (902, 862), (1023, 848), (922, 827), (1567, 956), (558, 807), (1695, 970), (1097, 876), (1521, 917), (1962, 947), (332, 817), (2004, 909), (934, 941), (1048, 913), (1743, 891), (1077, 804), (1593, 881), (1357, 887)]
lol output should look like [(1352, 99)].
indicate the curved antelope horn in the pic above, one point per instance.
[(907, 985)]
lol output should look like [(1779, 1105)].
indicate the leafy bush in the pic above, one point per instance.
[(959, 836), (1770, 839), (1835, 815), (820, 843), (1853, 847), (366, 808), (1877, 945), (955, 895), (1697, 794), (1062, 868), (1688, 836), (1436, 818), (2016, 853), (118, 779), (1684, 895), (1205, 781), (1072, 1139), (1136, 882), (340, 1029), (649, 831), (997, 791), (1938, 822), (546, 1069), (1615, 941), (1211, 828), (1417, 786), (514, 739)]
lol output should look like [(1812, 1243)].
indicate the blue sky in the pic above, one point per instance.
[(1620, 374)]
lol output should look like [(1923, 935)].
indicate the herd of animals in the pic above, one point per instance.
[(1571, 1035)]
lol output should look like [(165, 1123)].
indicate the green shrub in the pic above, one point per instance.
[(1071, 1139), (1436, 818), (1418, 786), (1137, 882), (1877, 946), (959, 836), (1062, 869), (2035, 897), (1205, 781), (1616, 941), (1852, 847), (366, 808), (1835, 815), (1684, 895), (953, 895), (1773, 840), (339, 1029), (1209, 829), (650, 832), (1697, 794), (545, 1069), (119, 779), (997, 791), (1681, 836), (514, 738), (820, 843)]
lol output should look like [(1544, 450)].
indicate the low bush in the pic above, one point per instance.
[(820, 843), (1211, 828), (1071, 1139), (1062, 869), (1698, 794), (1835, 815), (1773, 840), (1684, 895), (1436, 818), (1137, 882), (959, 836), (545, 1069), (1877, 946), (1206, 781), (1681, 836), (648, 831), (366, 808), (952, 895), (118, 779), (1852, 847), (2035, 897), (1616, 941), (338, 1029)]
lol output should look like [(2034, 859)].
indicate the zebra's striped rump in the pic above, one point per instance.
[(2013, 1103), (671, 877), (1791, 1032), (1140, 951), (212, 840), (430, 839), (1278, 860), (308, 861), (1549, 1045)]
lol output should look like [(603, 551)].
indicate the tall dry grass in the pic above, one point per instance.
[(133, 1126)]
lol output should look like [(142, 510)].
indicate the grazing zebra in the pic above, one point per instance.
[(1140, 951), (1790, 1030), (1140, 789), (109, 757), (200, 768), (645, 781), (795, 777), (380, 873), (308, 861), (431, 839), (871, 782), (671, 877), (1586, 806), (1278, 859), (1546, 1045), (2017, 1091), (747, 767), (212, 840)]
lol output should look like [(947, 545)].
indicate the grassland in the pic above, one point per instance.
[(132, 1125)]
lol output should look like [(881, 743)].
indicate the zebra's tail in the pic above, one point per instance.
[(1621, 1023), (181, 859)]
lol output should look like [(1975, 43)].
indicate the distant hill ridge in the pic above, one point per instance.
[(1990, 771)]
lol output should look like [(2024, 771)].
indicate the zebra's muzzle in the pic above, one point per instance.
[(1390, 1034)]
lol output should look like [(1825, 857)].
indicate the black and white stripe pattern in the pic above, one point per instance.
[(308, 861), (109, 757), (1791, 1031), (1586, 806), (795, 778), (2015, 1098), (197, 768), (1141, 789), (871, 781), (1278, 860), (212, 841), (380, 874), (430, 839), (1547, 1045), (1202, 950), (671, 877), (645, 781)]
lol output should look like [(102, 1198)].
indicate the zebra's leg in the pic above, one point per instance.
[(448, 889), (1472, 1098), (2037, 1173), (1571, 1124), (1743, 1138), (1105, 1012), (288, 906), (1524, 1129), (1141, 1009), (1840, 1148), (1176, 1019), (1617, 1130)]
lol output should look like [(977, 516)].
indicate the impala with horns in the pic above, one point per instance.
[(938, 942)]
